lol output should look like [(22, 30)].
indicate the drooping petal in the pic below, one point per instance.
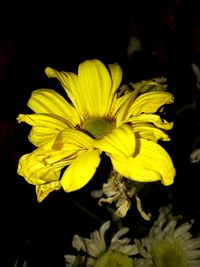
[(51, 102), (95, 83), (45, 126), (149, 102), (70, 83), (155, 84), (67, 146), (120, 142), (45, 120), (150, 163), (150, 132), (43, 190), (73, 138), (151, 118), (40, 135), (44, 164), (82, 169), (60, 158), (32, 167)]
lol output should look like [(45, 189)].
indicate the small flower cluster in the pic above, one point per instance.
[(168, 244)]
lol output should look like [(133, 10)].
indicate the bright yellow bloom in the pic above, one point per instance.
[(97, 116)]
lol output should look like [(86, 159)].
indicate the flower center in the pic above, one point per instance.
[(170, 253), (114, 259), (97, 127)]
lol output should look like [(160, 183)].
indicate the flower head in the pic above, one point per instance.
[(96, 251), (98, 115), (114, 259), (168, 244)]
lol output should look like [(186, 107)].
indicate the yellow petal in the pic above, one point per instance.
[(40, 135), (34, 170), (149, 164), (70, 83), (89, 91), (46, 120), (125, 103), (95, 82), (155, 84), (44, 190), (64, 148), (151, 118), (67, 146), (116, 78), (45, 126), (120, 142), (150, 132), (149, 102), (60, 158), (80, 172), (73, 138), (49, 101), (118, 100)]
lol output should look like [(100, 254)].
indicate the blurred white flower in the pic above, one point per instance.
[(168, 244), (195, 156), (96, 252)]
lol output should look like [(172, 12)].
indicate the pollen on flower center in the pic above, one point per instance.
[(98, 127)]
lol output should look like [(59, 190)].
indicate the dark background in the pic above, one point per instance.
[(169, 32)]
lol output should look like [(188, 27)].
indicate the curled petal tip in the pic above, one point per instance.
[(50, 72), (19, 118), (169, 181)]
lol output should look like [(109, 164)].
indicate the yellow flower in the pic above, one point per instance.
[(97, 116)]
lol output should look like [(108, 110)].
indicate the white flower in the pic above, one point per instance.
[(168, 245), (96, 248), (195, 156)]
